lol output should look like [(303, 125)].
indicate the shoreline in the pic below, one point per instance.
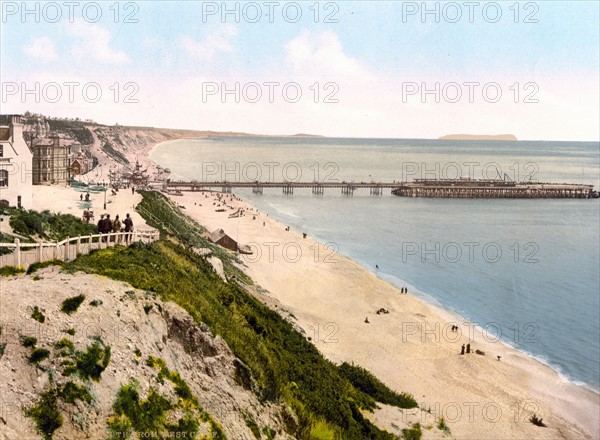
[(567, 399), (452, 314)]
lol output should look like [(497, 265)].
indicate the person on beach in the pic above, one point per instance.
[(468, 348), (128, 227), (81, 197), (462, 349)]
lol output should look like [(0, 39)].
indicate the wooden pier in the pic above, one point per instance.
[(435, 188), (493, 189), (287, 188)]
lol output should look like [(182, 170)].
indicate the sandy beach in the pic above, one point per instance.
[(412, 347)]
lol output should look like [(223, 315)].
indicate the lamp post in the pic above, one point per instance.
[(104, 196)]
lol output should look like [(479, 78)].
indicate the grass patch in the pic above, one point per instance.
[(71, 392), (91, 363), (28, 341), (151, 416), (70, 331), (37, 266), (163, 214), (38, 355), (442, 426), (71, 304), (47, 225), (38, 315), (369, 384), (10, 271), (64, 343), (413, 433), (46, 415)]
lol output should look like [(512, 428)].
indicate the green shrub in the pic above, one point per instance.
[(28, 341), (46, 415), (38, 355), (413, 433), (47, 225), (37, 266), (71, 304), (270, 433), (38, 315), (369, 384), (91, 363), (64, 343), (9, 271), (442, 426), (71, 391), (70, 331)]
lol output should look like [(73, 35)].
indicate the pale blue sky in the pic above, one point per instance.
[(372, 51)]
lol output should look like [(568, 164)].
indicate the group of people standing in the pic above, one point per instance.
[(107, 226)]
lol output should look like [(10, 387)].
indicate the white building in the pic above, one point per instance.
[(15, 166)]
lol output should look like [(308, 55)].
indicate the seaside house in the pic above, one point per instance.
[(222, 239), (15, 165), (51, 160)]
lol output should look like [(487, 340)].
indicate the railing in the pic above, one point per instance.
[(25, 254)]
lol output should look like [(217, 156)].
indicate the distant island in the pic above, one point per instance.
[(479, 137)]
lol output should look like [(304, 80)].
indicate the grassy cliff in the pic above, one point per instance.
[(275, 361)]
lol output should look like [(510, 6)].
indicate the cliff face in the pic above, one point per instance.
[(145, 344)]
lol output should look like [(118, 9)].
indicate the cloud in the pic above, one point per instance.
[(94, 41), (41, 48), (213, 42), (322, 53)]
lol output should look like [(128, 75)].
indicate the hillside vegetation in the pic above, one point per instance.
[(276, 362)]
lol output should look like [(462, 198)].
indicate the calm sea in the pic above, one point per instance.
[(526, 271)]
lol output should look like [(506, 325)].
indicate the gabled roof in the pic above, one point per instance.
[(218, 234)]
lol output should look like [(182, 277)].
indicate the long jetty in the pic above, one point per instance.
[(318, 188), (450, 188)]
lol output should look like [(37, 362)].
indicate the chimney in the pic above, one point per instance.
[(16, 128)]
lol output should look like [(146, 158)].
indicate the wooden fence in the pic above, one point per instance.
[(25, 254)]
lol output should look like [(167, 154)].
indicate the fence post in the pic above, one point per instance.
[(39, 253), (67, 246), (78, 246), (134, 236), (18, 251)]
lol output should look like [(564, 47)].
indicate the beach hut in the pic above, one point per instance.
[(222, 239)]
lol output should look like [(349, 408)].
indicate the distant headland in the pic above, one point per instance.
[(479, 137)]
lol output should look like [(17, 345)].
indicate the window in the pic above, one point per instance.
[(1, 150), (3, 178)]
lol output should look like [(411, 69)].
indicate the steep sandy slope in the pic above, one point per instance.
[(135, 325)]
